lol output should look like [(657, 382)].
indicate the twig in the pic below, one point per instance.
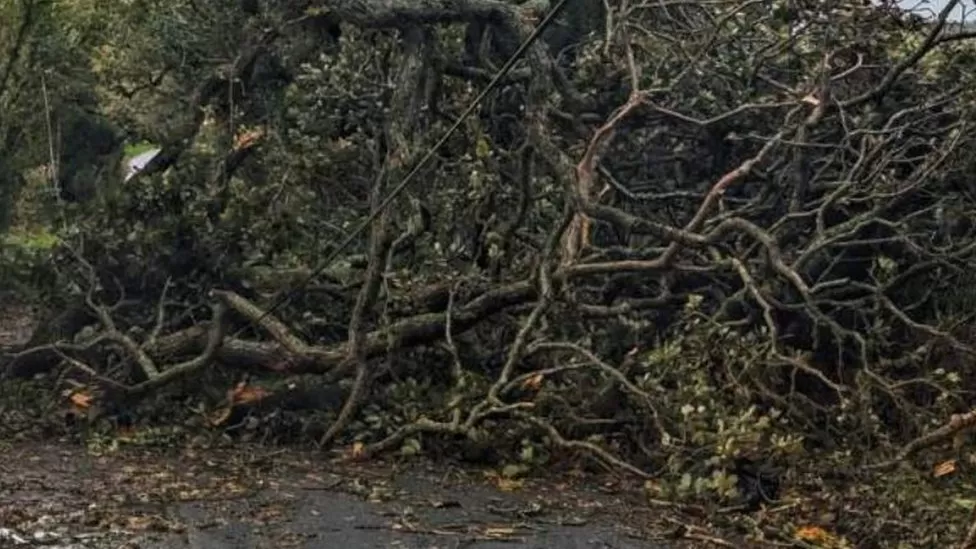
[(380, 256), (160, 313), (957, 424)]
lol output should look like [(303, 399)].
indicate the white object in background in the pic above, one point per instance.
[(138, 162)]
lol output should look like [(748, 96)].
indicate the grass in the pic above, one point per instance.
[(135, 149)]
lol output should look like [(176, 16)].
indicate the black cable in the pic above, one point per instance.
[(416, 169)]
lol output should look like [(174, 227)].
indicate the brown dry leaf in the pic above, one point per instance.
[(139, 523), (814, 534), (819, 537), (251, 395), (358, 450), (508, 484), (505, 484), (220, 416), (653, 489), (242, 393), (233, 488), (533, 383), (190, 495), (248, 139), (81, 399), (232, 392), (499, 532), (945, 468)]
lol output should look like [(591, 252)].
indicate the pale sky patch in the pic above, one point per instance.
[(930, 8)]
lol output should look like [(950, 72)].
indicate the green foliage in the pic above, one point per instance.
[(48, 80), (25, 263), (708, 385)]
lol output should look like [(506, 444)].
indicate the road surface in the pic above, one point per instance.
[(56, 495)]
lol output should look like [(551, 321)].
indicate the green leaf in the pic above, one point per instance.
[(965, 503)]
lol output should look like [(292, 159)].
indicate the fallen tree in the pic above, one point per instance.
[(719, 230)]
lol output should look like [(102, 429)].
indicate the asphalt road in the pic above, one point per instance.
[(56, 495), (330, 520)]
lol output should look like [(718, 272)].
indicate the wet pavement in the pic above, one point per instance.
[(59, 496), (321, 520)]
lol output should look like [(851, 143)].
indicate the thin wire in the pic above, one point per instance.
[(416, 169)]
